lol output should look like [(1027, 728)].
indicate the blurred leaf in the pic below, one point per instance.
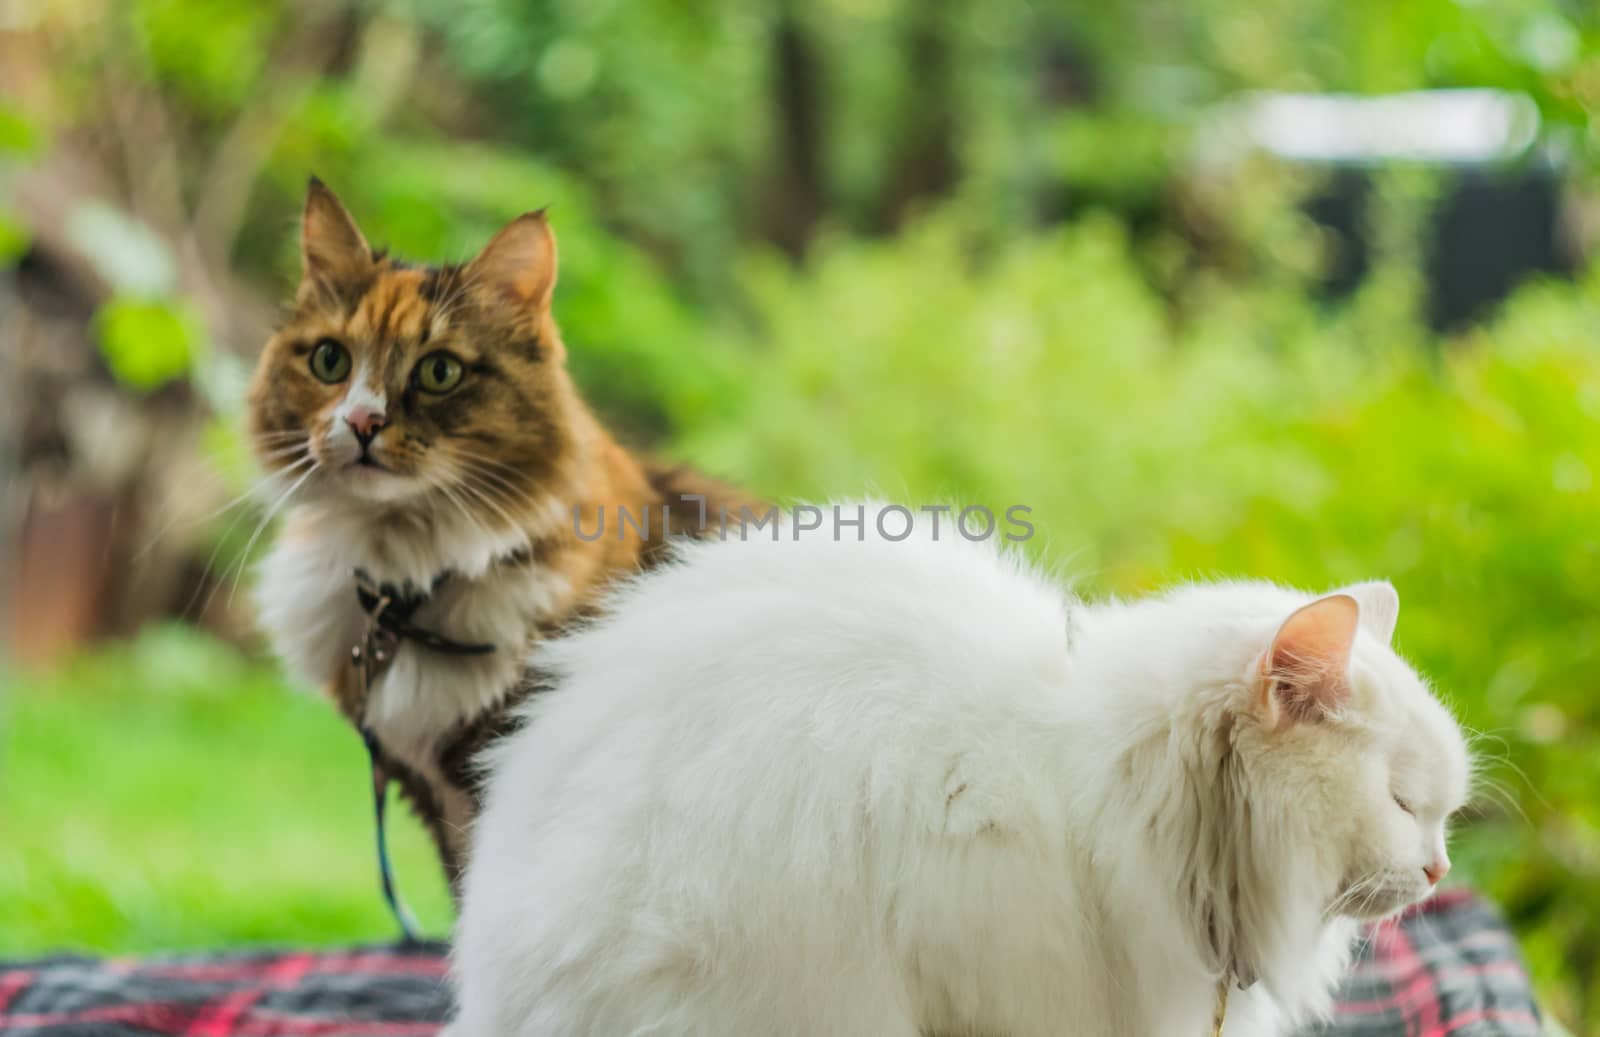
[(148, 343), (14, 239), (19, 136), (211, 51)]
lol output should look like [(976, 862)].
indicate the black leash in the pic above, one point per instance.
[(389, 610)]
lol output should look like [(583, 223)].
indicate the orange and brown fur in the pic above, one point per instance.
[(418, 423)]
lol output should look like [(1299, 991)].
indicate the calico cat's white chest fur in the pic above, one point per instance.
[(478, 591)]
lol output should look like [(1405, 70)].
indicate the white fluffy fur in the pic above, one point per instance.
[(884, 789)]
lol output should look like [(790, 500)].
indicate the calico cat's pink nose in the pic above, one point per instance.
[(364, 422), (1436, 871)]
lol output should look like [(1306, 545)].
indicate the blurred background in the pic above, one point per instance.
[(1300, 289)]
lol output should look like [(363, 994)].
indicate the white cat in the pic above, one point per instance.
[(896, 788)]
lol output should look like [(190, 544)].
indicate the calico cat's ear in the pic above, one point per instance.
[(1380, 607), (518, 266), (332, 251), (1305, 675)]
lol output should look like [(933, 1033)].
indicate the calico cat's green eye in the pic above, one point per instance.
[(330, 361), (438, 373)]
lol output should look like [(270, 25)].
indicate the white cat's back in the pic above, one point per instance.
[(842, 649), (778, 708)]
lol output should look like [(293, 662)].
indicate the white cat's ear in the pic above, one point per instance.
[(519, 263), (1305, 674), (332, 250), (1380, 607)]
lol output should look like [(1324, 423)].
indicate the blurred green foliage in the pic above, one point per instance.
[(927, 250), (147, 343)]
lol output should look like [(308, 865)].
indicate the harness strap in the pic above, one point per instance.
[(389, 610)]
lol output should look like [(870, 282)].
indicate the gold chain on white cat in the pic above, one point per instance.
[(1220, 1013)]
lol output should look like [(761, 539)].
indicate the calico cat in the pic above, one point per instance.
[(884, 789), (422, 435)]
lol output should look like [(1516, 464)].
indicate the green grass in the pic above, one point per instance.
[(170, 794)]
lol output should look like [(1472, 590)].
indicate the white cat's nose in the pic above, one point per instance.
[(1436, 871)]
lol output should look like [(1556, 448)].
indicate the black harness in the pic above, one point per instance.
[(389, 610)]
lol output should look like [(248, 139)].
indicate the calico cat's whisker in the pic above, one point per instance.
[(500, 481), (469, 464), (478, 493), (455, 293), (502, 488), (472, 455), (244, 556), (299, 439), (288, 451), (460, 476), (480, 466), (166, 527), (461, 506), (498, 486), (458, 294), (216, 548)]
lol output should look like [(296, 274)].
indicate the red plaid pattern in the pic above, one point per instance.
[(1449, 968)]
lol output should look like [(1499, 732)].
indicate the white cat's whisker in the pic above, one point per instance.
[(1486, 763), (1495, 792)]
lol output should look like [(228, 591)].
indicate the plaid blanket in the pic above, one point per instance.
[(1448, 966)]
